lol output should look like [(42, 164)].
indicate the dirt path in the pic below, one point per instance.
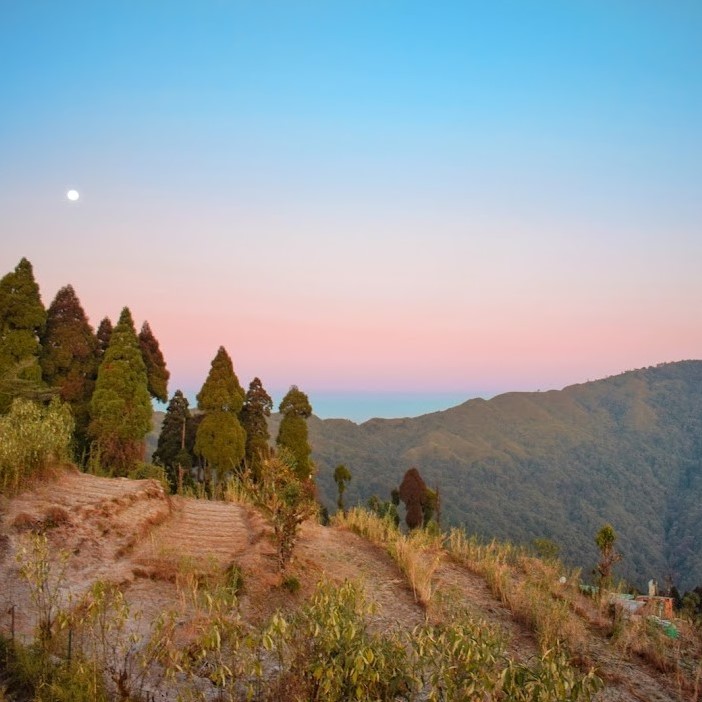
[(472, 592), (624, 680), (131, 533), (341, 555)]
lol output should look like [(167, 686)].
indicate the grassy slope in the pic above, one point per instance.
[(130, 533)]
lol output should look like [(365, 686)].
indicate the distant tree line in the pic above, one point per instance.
[(109, 377)]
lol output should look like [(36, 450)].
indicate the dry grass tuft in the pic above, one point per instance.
[(26, 522), (537, 592), (418, 553), (55, 516)]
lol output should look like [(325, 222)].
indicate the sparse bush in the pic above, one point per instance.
[(286, 500), (31, 673), (234, 579), (291, 584), (383, 508), (144, 471), (32, 438), (45, 577)]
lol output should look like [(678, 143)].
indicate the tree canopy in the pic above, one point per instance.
[(69, 359), (176, 441), (120, 407), (104, 333), (156, 371), (254, 420), (22, 321), (221, 391), (292, 432), (220, 438), (420, 501), (342, 476)]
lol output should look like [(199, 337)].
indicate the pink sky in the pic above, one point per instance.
[(354, 198)]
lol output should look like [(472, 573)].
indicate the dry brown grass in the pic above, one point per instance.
[(55, 516), (417, 554), (540, 594), (26, 522)]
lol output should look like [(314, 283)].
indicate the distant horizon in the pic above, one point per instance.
[(387, 197), (360, 406)]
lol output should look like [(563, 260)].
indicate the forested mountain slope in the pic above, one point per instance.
[(626, 449)]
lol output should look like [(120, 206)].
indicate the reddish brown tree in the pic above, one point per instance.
[(104, 333), (69, 360), (413, 492)]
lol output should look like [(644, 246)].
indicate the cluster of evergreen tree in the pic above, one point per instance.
[(229, 432), (106, 378), (109, 377)]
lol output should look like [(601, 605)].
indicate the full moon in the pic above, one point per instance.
[(72, 195)]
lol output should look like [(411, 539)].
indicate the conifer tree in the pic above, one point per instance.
[(416, 496), (254, 419), (292, 432), (220, 438), (156, 370), (22, 320), (176, 442), (104, 332), (120, 408), (342, 475), (69, 359)]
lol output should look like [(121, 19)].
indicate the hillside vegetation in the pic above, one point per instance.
[(557, 465), (126, 593)]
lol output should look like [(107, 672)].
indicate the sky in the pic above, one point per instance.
[(393, 205)]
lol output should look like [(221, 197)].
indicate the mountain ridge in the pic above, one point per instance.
[(554, 464)]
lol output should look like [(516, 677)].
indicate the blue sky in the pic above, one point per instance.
[(365, 198)]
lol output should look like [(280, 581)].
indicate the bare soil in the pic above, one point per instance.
[(133, 534)]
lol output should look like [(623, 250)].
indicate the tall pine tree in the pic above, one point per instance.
[(22, 320), (69, 360), (292, 432), (220, 439), (176, 442), (120, 408), (104, 332), (254, 419), (156, 370)]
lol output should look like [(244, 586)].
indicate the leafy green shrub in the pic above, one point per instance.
[(31, 673), (326, 652), (552, 679), (461, 660), (32, 438), (144, 471)]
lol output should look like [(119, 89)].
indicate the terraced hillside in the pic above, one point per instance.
[(134, 535)]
